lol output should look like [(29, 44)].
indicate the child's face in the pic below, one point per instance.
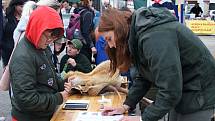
[(57, 46), (71, 50)]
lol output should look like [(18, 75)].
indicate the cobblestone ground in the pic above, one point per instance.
[(5, 105)]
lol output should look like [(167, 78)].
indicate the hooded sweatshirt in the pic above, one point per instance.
[(34, 83), (172, 58), (41, 21)]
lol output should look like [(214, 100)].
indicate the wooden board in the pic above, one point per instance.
[(94, 106)]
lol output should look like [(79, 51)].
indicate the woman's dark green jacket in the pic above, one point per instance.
[(173, 58)]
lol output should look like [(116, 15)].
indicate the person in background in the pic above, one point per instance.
[(163, 53), (28, 8), (36, 90), (74, 6), (197, 10), (59, 51), (96, 18), (106, 5), (74, 60), (86, 26), (169, 4), (51, 3), (55, 4), (13, 15), (101, 54), (100, 45), (66, 8)]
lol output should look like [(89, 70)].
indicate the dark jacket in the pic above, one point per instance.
[(82, 64), (86, 25), (35, 85), (173, 58), (196, 11), (7, 42)]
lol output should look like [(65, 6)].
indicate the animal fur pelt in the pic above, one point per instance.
[(97, 80)]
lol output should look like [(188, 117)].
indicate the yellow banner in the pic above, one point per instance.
[(201, 27)]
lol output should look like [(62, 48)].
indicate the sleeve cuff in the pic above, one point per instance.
[(130, 104), (59, 98)]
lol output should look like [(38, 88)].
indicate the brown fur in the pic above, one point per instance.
[(97, 80)]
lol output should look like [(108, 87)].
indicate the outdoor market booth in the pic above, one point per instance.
[(205, 23)]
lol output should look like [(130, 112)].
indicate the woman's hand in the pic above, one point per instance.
[(109, 111)]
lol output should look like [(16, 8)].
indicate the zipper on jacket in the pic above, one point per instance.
[(49, 65)]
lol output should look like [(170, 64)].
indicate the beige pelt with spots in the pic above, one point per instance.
[(98, 80)]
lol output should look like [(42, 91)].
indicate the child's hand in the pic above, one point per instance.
[(71, 61)]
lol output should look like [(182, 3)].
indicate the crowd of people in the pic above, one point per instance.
[(15, 22), (35, 65), (150, 43)]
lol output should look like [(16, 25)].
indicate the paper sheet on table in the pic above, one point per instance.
[(96, 116)]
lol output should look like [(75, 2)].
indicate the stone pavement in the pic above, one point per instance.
[(209, 41), (5, 105)]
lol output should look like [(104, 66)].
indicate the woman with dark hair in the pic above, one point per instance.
[(165, 54), (13, 15)]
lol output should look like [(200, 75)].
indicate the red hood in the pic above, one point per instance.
[(41, 19)]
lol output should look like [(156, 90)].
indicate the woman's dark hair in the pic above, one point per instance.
[(119, 22), (10, 10)]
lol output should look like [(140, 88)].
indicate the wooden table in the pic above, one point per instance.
[(70, 115)]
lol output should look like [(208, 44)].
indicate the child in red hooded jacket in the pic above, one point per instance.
[(36, 89)]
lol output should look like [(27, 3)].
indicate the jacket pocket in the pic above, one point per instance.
[(190, 102)]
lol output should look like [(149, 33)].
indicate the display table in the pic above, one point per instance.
[(94, 106)]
